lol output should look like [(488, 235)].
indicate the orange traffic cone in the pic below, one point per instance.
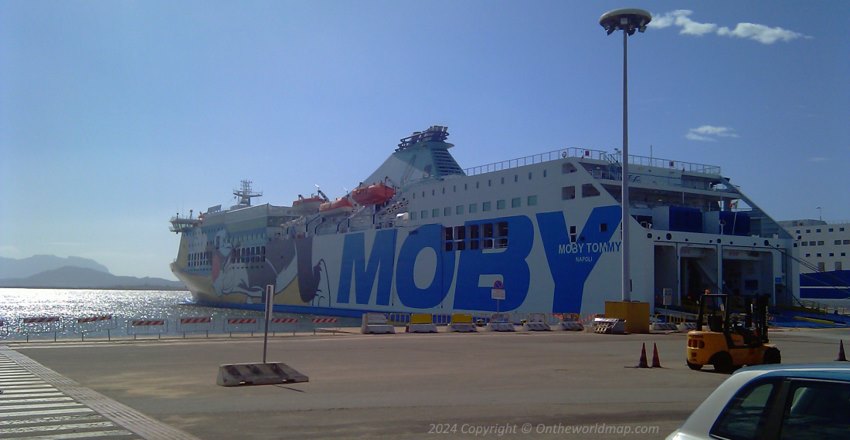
[(841, 356), (642, 363), (656, 362)]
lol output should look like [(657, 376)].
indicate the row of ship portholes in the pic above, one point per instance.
[(718, 241)]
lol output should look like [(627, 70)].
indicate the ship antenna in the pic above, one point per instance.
[(246, 193)]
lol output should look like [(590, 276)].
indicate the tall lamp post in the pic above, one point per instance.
[(628, 21)]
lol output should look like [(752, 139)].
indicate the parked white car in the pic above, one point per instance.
[(794, 402)]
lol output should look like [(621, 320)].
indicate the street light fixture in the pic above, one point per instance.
[(629, 21)]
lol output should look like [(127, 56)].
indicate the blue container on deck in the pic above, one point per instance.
[(677, 218)]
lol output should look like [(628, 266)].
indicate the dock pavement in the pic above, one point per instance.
[(406, 386)]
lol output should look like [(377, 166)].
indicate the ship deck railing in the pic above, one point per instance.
[(587, 153)]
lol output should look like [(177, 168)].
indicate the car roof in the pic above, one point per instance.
[(825, 370)]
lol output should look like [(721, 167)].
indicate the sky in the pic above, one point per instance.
[(116, 115)]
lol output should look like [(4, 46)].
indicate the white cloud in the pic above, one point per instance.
[(710, 133), (760, 33), (681, 18)]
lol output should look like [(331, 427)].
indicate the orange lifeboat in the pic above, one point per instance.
[(374, 194), (337, 207), (307, 205)]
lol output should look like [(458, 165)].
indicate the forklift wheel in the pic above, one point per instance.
[(722, 362), (694, 367), (772, 356)]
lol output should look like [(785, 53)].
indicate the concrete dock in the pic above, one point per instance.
[(484, 385)]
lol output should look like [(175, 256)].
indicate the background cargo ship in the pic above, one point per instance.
[(421, 234)]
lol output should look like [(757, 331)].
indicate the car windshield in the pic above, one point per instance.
[(744, 417), (817, 410)]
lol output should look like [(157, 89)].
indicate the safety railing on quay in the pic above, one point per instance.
[(89, 327)]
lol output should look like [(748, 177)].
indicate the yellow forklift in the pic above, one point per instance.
[(731, 340)]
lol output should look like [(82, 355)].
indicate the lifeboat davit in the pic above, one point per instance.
[(337, 207), (307, 205), (374, 194)]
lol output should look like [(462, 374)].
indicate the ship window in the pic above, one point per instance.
[(844, 254), (568, 193), (473, 232), (460, 232), (423, 193), (821, 266), (516, 202), (804, 244), (837, 241), (588, 190), (819, 255), (830, 229), (820, 242), (603, 227), (808, 231), (448, 233), (516, 177), (531, 201), (473, 208), (459, 209), (413, 215), (544, 173), (449, 245), (460, 245), (435, 212), (838, 265), (529, 175), (447, 211), (503, 229), (500, 204), (811, 243), (808, 255), (502, 180), (433, 192), (567, 168), (846, 241), (465, 186), (477, 184), (488, 230), (817, 230), (423, 214), (832, 254), (840, 229), (485, 206), (489, 182)]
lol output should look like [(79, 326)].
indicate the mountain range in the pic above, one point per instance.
[(49, 271)]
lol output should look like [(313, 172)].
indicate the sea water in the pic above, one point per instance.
[(123, 306)]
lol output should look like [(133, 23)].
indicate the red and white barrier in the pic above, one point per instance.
[(88, 324), (147, 327), (187, 324), (279, 324), (40, 319), (322, 324), (41, 324), (241, 324)]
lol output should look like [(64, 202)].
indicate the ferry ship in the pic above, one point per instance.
[(421, 234), (823, 250)]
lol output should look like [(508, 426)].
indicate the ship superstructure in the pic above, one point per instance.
[(823, 250), (421, 234)]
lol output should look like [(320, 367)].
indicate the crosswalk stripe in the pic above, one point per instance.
[(45, 402)]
